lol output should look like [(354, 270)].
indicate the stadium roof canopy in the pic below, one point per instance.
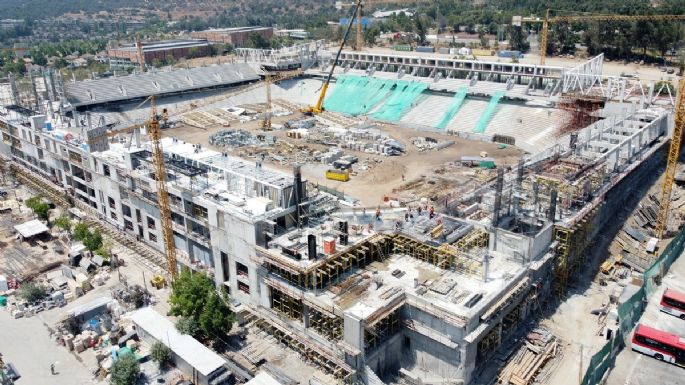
[(121, 88)]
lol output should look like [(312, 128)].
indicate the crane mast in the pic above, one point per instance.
[(672, 163), (162, 194)]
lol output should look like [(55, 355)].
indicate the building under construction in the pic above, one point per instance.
[(365, 294)]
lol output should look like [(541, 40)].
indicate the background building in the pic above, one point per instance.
[(235, 36), (127, 55)]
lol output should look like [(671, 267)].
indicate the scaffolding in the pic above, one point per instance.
[(330, 327), (570, 246), (310, 352), (381, 331), (286, 305)]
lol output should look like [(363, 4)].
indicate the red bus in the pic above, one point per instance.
[(660, 345), (673, 303)]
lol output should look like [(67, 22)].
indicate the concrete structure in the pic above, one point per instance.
[(126, 56), (401, 293), (304, 55), (200, 363), (234, 36)]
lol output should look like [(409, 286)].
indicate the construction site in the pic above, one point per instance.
[(407, 229)]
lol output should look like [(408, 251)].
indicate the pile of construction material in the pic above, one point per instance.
[(426, 143), (233, 138), (527, 366)]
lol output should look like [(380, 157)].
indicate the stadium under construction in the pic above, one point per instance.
[(421, 290)]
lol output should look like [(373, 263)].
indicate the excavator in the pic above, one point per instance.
[(318, 107)]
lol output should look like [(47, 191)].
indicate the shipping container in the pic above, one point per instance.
[(425, 49), (339, 175)]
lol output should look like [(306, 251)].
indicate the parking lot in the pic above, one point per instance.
[(633, 368)]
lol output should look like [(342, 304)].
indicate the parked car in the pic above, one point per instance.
[(670, 71)]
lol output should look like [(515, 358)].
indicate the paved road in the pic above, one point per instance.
[(26, 344)]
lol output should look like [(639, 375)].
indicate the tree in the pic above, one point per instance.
[(63, 223), (40, 208), (187, 325), (125, 370), (216, 318), (256, 40), (517, 39), (420, 29), (93, 241), (81, 231), (32, 292), (160, 353), (194, 297)]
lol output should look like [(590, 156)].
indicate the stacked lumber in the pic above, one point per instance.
[(539, 347)]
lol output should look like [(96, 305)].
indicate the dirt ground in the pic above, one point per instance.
[(388, 172)]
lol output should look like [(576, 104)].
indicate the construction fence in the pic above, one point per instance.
[(630, 311)]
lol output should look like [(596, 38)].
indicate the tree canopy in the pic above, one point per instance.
[(125, 370), (194, 297)]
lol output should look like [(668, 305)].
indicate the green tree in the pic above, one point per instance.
[(216, 318), (420, 29), (81, 231), (40, 208), (160, 353), (63, 223), (194, 296), (187, 325), (517, 39), (256, 40), (93, 241), (31, 292), (125, 370)]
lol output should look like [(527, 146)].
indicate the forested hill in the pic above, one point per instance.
[(288, 11)]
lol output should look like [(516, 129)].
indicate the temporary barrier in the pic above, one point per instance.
[(630, 311)]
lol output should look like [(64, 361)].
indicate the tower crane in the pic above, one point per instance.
[(679, 110), (155, 134), (141, 57), (583, 18), (266, 122), (269, 79), (672, 162)]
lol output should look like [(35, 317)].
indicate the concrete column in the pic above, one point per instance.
[(305, 316)]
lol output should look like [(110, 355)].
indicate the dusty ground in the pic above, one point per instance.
[(371, 186), (21, 257)]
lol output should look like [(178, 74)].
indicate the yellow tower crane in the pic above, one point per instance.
[(141, 56), (266, 122), (155, 133), (676, 139), (584, 18), (672, 163)]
